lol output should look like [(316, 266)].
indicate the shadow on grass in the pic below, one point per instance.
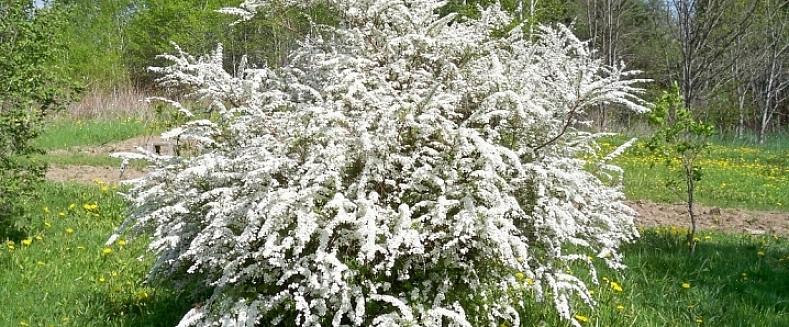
[(10, 231), (161, 308), (734, 280)]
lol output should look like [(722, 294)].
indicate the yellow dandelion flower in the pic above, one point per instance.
[(69, 231), (686, 285), (39, 238), (105, 189), (141, 295), (27, 242), (620, 307), (46, 209), (72, 206), (62, 214), (106, 251), (707, 237), (47, 224), (520, 276), (90, 207), (616, 287), (40, 263), (23, 323), (121, 243), (581, 318), (102, 279), (699, 320)]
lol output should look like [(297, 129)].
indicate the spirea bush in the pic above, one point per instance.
[(404, 169)]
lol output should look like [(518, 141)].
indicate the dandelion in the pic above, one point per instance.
[(62, 214), (620, 307), (520, 276), (47, 224), (699, 320), (90, 207), (707, 237), (122, 243), (106, 251), (69, 231), (72, 206), (105, 189), (39, 238), (141, 295), (581, 318), (46, 209), (102, 279), (616, 287), (10, 245), (686, 285), (27, 242)]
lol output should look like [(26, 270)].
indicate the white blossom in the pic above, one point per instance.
[(399, 171)]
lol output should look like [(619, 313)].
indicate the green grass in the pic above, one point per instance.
[(62, 277), (733, 280), (65, 133), (733, 176)]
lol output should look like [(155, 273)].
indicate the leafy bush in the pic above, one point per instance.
[(406, 169), (29, 89)]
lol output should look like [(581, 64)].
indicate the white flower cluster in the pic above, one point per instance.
[(404, 169)]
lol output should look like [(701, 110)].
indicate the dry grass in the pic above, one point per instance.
[(120, 103)]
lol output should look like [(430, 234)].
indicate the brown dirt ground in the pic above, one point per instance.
[(88, 174), (713, 218), (650, 214)]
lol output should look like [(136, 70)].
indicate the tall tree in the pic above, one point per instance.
[(706, 29)]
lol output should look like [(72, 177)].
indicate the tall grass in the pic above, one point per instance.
[(111, 104)]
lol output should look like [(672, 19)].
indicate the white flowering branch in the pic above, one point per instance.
[(388, 176)]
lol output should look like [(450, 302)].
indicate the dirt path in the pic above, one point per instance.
[(712, 218), (88, 174)]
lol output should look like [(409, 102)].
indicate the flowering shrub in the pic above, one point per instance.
[(405, 169)]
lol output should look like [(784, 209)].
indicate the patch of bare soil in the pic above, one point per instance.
[(89, 174), (150, 143), (712, 218)]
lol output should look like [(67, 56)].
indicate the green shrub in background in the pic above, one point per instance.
[(30, 88)]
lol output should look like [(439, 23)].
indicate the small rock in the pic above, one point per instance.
[(755, 231)]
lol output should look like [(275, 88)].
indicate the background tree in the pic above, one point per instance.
[(31, 87)]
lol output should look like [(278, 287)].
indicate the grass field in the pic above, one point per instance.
[(733, 176), (55, 271)]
